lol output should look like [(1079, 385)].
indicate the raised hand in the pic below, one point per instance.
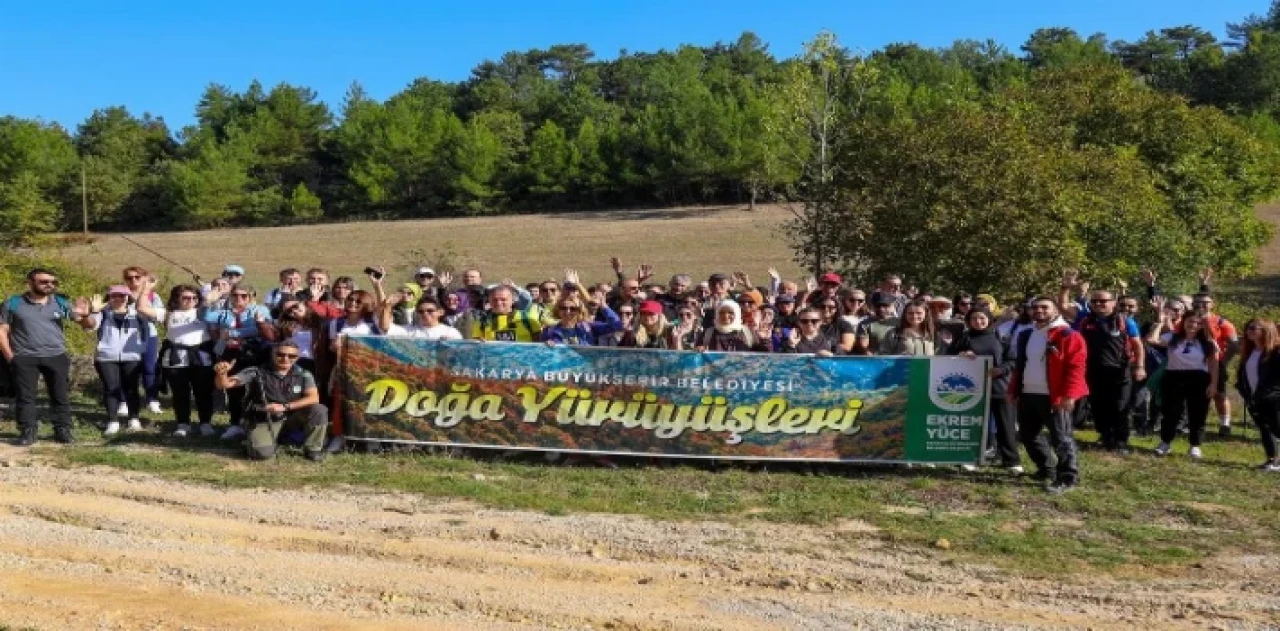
[(1149, 277), (97, 303), (644, 272), (1083, 287), (1157, 304), (381, 274), (1070, 278), (793, 338), (445, 278), (773, 274), (507, 282), (1124, 286), (811, 284), (222, 368), (616, 263), (80, 308), (1206, 275), (571, 276)]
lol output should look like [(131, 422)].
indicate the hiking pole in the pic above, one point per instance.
[(164, 258)]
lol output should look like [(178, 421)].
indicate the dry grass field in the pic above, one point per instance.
[(526, 248)]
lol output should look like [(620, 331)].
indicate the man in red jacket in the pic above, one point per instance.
[(1048, 379)]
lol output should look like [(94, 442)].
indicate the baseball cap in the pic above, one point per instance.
[(752, 296), (233, 269), (830, 277), (785, 298), (426, 271), (651, 306), (119, 290)]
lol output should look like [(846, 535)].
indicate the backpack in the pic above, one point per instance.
[(144, 331), (63, 302)]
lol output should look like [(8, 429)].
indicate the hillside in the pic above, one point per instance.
[(697, 240)]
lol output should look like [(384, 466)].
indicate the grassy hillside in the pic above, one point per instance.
[(525, 248)]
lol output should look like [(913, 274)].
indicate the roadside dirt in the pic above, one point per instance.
[(103, 549)]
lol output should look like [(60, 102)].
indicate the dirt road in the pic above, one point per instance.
[(104, 549)]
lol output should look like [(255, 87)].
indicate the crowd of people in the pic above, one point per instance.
[(268, 359)]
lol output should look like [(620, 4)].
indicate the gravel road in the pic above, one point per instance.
[(99, 548)]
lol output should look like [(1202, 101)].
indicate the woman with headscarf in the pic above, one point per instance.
[(728, 334), (979, 339)]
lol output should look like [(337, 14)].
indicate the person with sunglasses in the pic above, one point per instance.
[(239, 344), (186, 357), (836, 327), (134, 278), (1258, 382), (427, 324), (873, 332), (424, 285), (575, 327), (294, 321), (809, 338), (1224, 334), (1047, 380), (1117, 360), (122, 326), (1190, 379), (34, 345), (281, 396), (688, 325)]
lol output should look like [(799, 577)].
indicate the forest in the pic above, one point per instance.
[(1094, 152)]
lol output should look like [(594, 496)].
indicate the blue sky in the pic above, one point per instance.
[(61, 59)]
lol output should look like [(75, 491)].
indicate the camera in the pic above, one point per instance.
[(373, 272)]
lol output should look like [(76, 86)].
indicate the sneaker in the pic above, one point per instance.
[(112, 429), (968, 468), (1015, 469), (182, 430), (122, 409), (316, 456), (233, 432), (26, 438), (1195, 453), (1058, 488), (1269, 465), (336, 444), (206, 429), (135, 425), (63, 435), (1163, 449), (154, 407)]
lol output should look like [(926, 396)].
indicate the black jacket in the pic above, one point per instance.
[(985, 344), (1268, 388)]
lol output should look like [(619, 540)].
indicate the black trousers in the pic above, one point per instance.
[(191, 383), (1184, 389), (1006, 431), (120, 379), (1267, 414), (1109, 401), (25, 373), (1035, 413)]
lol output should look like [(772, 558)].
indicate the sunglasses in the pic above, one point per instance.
[(571, 309), (809, 321), (132, 277), (286, 355), (551, 290), (46, 282), (426, 275)]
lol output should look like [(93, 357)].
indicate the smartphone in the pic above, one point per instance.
[(373, 272)]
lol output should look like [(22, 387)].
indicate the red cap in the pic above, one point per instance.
[(651, 306), (830, 277)]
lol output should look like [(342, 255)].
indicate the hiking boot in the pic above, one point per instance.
[(64, 435), (26, 438), (316, 456), (1060, 487)]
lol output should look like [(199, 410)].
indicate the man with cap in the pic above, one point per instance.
[(828, 289), (422, 286), (891, 287)]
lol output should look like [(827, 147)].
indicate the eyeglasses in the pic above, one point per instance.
[(286, 355), (809, 321), (571, 309), (297, 307), (551, 290), (856, 300), (53, 283)]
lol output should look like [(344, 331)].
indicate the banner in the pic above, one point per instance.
[(665, 403)]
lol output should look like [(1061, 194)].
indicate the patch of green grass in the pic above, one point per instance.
[(1130, 514)]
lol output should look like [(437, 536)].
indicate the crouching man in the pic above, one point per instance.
[(279, 397)]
